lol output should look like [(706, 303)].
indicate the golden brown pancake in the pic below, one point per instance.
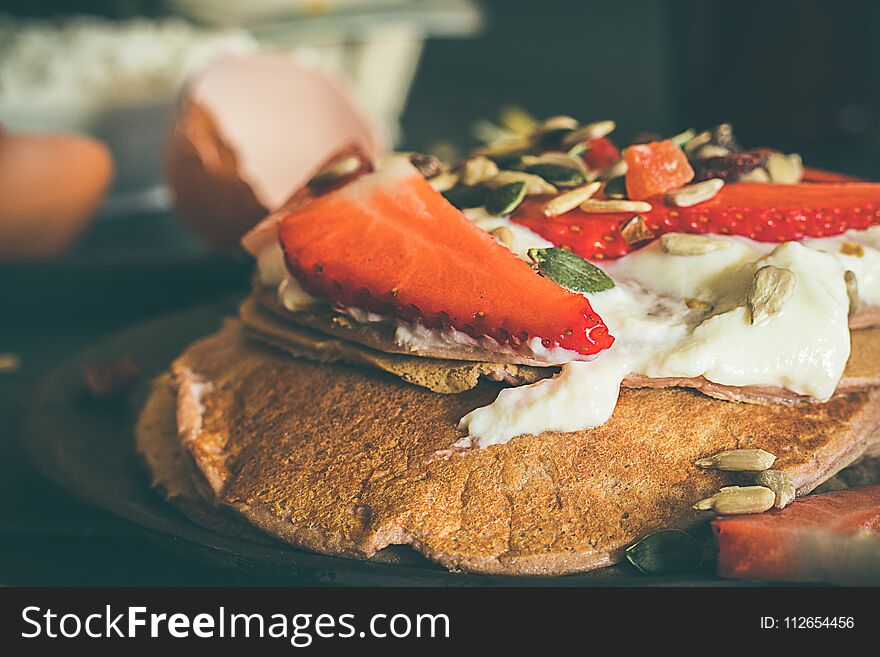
[(323, 335), (347, 460)]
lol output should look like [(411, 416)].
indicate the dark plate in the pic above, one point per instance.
[(87, 448)]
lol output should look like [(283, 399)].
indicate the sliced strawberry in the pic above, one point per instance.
[(389, 243), (812, 175), (763, 212), (655, 168), (601, 153)]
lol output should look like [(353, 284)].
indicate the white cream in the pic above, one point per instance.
[(865, 265), (803, 349)]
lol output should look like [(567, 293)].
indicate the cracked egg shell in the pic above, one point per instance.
[(249, 133)]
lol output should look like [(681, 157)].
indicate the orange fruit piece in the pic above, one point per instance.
[(655, 168)]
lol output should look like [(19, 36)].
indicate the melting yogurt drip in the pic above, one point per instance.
[(685, 316)]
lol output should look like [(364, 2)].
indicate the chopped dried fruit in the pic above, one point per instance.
[(655, 168), (729, 168), (601, 153), (390, 244)]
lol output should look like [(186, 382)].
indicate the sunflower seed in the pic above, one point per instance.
[(691, 195), (615, 206), (558, 123), (682, 138), (504, 235), (852, 249), (478, 169), (709, 150), (683, 244), (505, 199), (518, 121), (697, 304), (9, 363), (758, 175), (736, 500), (506, 146), (570, 200), (696, 141), (444, 181), (770, 289), (852, 291), (738, 460), (559, 159), (616, 170), (589, 131), (785, 169), (534, 184), (780, 483), (335, 172), (636, 230)]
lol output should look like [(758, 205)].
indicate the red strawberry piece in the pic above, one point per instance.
[(812, 175), (655, 168), (390, 244), (763, 212), (601, 153)]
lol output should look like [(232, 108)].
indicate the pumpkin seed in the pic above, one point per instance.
[(444, 181), (505, 199), (478, 169), (616, 188), (852, 292), (636, 230), (589, 131), (615, 206), (770, 289), (559, 159), (569, 270), (570, 200), (738, 460), (737, 500), (780, 483), (785, 169), (465, 196), (335, 172), (504, 235), (684, 244), (691, 195), (561, 176), (534, 184), (666, 552)]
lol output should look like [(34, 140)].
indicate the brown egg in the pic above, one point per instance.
[(50, 188), (250, 132)]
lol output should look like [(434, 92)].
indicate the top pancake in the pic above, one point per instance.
[(347, 460)]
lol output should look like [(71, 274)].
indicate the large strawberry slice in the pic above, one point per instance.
[(390, 244), (764, 212)]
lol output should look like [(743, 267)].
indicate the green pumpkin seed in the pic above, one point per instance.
[(558, 175), (666, 552), (505, 199), (616, 188), (465, 196), (570, 271)]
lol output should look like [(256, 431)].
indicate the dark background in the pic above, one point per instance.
[(803, 76)]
